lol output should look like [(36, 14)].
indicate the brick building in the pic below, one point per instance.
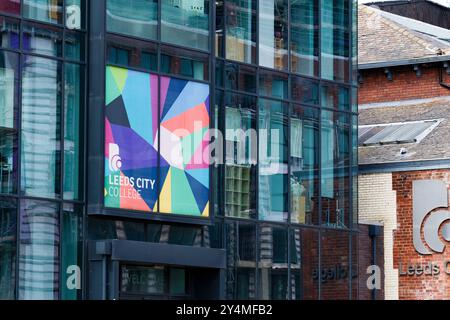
[(404, 127)]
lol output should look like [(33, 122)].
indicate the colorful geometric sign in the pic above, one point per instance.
[(132, 134), (184, 152)]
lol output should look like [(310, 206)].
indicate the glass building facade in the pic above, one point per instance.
[(107, 109)]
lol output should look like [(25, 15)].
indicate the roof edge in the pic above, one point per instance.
[(399, 166), (404, 62)]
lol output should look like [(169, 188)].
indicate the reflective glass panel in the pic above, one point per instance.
[(41, 108), (10, 6), (240, 37), (185, 63), (304, 90), (240, 77), (185, 23), (39, 250), (304, 180), (9, 33), (8, 248), (9, 91), (42, 40), (240, 155), (273, 160), (305, 37), (133, 17), (73, 131), (72, 251), (335, 171), (273, 34), (335, 40), (43, 10), (335, 97), (74, 46), (273, 84)]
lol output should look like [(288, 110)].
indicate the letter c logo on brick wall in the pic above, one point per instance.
[(429, 195)]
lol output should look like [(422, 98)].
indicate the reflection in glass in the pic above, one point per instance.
[(39, 250), (73, 132), (335, 169), (72, 254), (335, 97), (240, 37), (42, 40), (9, 84), (335, 38), (241, 260), (184, 63), (273, 160), (305, 37), (185, 23), (9, 33), (74, 14), (130, 52), (41, 108), (273, 34), (43, 10), (240, 77), (304, 165), (355, 170), (74, 46), (273, 84), (143, 280), (334, 263), (10, 6), (240, 155), (304, 90), (304, 247), (219, 36), (133, 17), (8, 227), (273, 263)]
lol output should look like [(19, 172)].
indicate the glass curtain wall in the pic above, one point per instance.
[(42, 133)]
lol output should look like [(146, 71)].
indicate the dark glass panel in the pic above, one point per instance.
[(305, 90), (185, 63), (273, 84), (9, 33), (8, 248), (240, 77)]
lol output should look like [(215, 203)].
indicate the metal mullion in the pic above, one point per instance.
[(212, 107)]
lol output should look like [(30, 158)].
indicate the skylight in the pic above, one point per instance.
[(395, 133)]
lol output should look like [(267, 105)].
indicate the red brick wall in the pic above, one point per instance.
[(405, 85), (425, 286)]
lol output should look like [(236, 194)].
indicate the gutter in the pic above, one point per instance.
[(404, 62)]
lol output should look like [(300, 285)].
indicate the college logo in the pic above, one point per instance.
[(115, 161), (429, 195)]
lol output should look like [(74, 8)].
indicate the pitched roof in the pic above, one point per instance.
[(435, 145), (383, 37)]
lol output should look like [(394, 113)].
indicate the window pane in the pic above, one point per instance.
[(10, 6), (355, 170), (334, 263), (72, 254), (75, 18), (42, 40), (335, 169), (185, 63), (43, 10), (241, 260), (73, 131), (335, 40), (304, 165), (177, 281), (241, 30), (41, 108), (305, 90), (273, 160), (142, 280), (130, 52), (273, 84), (240, 77), (39, 250), (184, 235), (304, 247), (9, 84), (273, 34), (305, 37), (240, 156), (185, 23), (8, 227), (273, 258), (219, 39), (133, 17), (74, 46), (9, 33), (335, 97)]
